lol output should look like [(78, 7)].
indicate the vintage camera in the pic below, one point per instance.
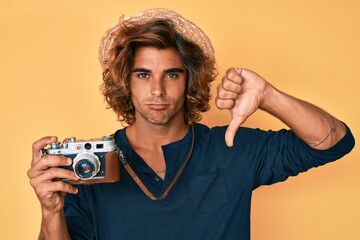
[(94, 161)]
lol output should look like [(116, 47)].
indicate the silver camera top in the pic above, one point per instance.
[(74, 146)]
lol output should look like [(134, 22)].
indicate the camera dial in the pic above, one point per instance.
[(86, 165), (55, 145)]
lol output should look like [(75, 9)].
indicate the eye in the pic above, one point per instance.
[(143, 75), (172, 75)]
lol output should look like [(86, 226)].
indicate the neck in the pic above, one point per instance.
[(154, 136)]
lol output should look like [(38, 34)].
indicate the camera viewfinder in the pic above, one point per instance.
[(87, 146)]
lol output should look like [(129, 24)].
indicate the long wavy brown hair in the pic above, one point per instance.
[(200, 70)]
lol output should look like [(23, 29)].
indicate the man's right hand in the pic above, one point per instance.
[(44, 174)]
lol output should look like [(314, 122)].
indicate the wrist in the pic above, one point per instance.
[(269, 98), (53, 225)]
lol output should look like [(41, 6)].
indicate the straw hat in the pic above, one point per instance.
[(184, 27)]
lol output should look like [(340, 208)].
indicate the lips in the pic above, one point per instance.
[(157, 106)]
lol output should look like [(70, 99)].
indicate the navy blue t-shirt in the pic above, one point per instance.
[(212, 197)]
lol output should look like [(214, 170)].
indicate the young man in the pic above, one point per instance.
[(195, 182)]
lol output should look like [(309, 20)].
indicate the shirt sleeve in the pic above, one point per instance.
[(78, 217), (273, 156)]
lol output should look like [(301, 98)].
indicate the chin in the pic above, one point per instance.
[(158, 120)]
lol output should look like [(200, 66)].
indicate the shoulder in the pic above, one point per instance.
[(120, 138), (242, 133)]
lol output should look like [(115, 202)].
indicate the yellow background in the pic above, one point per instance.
[(50, 80)]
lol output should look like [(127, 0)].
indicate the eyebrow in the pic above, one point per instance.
[(140, 70), (170, 70), (174, 70)]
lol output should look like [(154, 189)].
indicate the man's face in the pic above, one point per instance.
[(157, 83)]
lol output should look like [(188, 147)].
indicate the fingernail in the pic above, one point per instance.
[(69, 161)]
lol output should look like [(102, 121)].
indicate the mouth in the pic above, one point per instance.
[(157, 106)]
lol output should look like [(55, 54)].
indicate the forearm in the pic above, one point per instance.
[(313, 125), (53, 227)]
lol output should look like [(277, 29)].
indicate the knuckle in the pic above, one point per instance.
[(58, 185), (221, 95), (63, 186), (224, 95), (54, 160), (231, 73), (41, 190), (224, 104), (40, 143), (229, 70), (54, 173), (218, 104), (225, 77), (36, 143), (226, 85), (60, 173), (32, 182), (28, 173)]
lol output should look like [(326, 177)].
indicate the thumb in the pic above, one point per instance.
[(232, 129)]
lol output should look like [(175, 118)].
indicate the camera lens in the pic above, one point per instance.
[(84, 169), (86, 165)]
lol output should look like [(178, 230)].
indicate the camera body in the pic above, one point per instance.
[(94, 161)]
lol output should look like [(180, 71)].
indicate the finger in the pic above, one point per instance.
[(224, 103), (45, 189), (239, 71), (224, 94), (47, 162), (40, 144), (52, 174), (234, 75), (232, 129), (229, 85)]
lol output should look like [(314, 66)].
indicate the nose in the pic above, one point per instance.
[(157, 87)]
